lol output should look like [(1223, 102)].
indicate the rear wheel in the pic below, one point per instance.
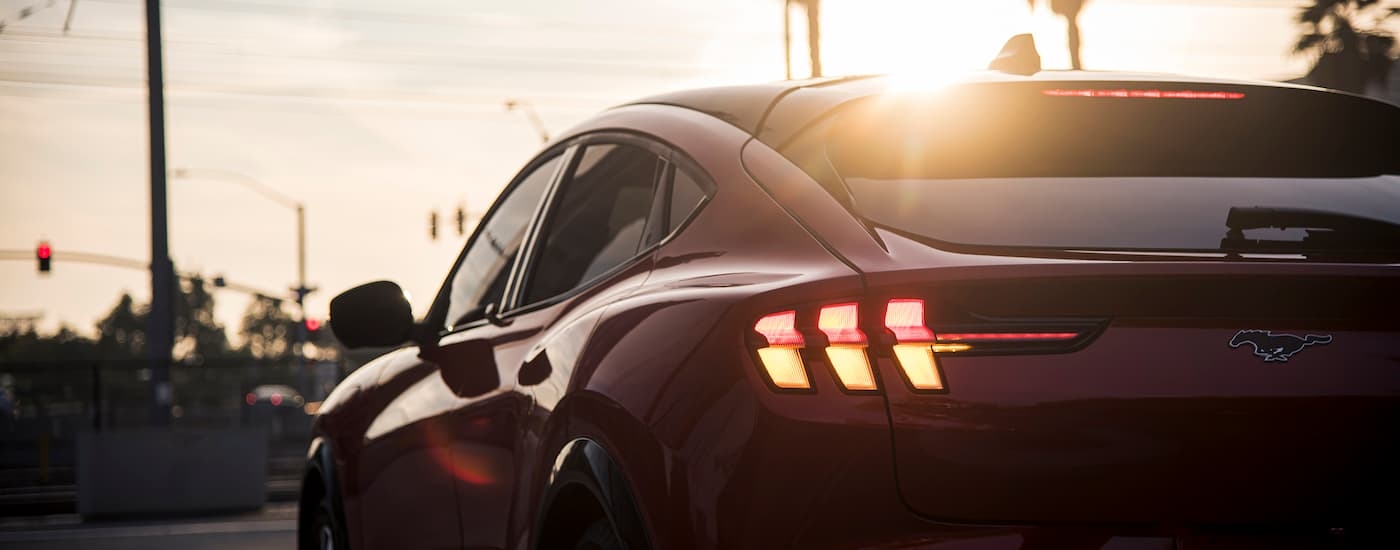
[(599, 536), (324, 531), (321, 528)]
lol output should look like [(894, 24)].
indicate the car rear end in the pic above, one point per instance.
[(1152, 308)]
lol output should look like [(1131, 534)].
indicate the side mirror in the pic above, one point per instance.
[(372, 315)]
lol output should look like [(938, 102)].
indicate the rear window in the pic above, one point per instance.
[(1107, 166)]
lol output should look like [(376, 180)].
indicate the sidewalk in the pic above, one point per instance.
[(272, 527)]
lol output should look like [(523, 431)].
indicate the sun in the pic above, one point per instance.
[(918, 42)]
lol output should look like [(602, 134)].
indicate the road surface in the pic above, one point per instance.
[(273, 529)]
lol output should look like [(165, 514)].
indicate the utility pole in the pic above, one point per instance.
[(160, 324), (814, 35), (301, 290), (787, 39)]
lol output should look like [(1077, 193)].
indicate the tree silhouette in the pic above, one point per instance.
[(267, 329), (22, 343), (1345, 56), (122, 333), (1068, 9)]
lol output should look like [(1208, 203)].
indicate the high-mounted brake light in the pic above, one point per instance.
[(780, 357), (1143, 94), (841, 325)]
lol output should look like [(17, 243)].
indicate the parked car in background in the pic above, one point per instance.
[(276, 407)]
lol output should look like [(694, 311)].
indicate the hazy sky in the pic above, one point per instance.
[(374, 113)]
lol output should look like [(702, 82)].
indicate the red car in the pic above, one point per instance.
[(1055, 310)]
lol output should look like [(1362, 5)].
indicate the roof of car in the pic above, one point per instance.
[(774, 111)]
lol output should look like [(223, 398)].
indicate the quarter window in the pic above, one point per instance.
[(598, 219), (686, 195), (481, 277)]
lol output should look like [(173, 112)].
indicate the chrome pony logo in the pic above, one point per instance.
[(1276, 347)]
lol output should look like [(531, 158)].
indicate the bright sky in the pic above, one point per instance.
[(374, 113)]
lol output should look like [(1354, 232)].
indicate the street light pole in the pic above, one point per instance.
[(534, 116), (160, 324), (258, 187)]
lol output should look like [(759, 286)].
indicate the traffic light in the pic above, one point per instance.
[(432, 225), (461, 221), (312, 325), (45, 255)]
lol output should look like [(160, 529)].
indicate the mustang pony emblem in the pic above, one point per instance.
[(1276, 347)]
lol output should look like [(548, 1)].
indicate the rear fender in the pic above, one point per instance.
[(584, 463)]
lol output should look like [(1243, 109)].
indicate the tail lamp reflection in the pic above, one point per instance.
[(915, 346)]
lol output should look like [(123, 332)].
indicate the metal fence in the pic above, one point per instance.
[(44, 406)]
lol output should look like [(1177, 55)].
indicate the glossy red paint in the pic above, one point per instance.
[(1147, 435)]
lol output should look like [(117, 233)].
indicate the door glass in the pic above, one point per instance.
[(481, 277), (597, 220)]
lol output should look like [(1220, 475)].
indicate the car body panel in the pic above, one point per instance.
[(653, 367)]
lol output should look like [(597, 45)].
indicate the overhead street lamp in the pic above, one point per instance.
[(258, 187), (529, 109)]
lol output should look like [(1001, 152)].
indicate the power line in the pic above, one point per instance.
[(332, 94), (534, 22)]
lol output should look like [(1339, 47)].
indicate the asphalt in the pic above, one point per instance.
[(272, 528)]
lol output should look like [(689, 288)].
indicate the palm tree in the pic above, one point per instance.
[(1068, 9), (1345, 57)]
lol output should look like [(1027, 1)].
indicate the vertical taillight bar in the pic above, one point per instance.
[(915, 343), (780, 358), (846, 350)]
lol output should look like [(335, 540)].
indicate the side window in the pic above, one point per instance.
[(481, 277), (686, 195), (597, 218)]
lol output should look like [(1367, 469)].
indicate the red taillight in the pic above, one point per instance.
[(1005, 336), (841, 324), (915, 348), (276, 399), (780, 329), (1143, 94), (780, 358), (905, 318), (250, 399), (914, 343)]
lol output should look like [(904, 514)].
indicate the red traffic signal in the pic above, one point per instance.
[(44, 253), (312, 324)]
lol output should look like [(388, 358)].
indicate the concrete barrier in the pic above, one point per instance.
[(165, 472)]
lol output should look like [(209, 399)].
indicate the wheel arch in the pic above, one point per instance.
[(319, 479), (585, 474)]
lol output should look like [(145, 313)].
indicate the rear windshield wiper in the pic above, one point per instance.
[(1330, 235)]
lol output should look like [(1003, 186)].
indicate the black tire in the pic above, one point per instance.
[(598, 536), (326, 531)]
